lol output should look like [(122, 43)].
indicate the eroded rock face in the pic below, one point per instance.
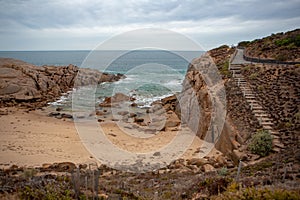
[(194, 102), (24, 84)]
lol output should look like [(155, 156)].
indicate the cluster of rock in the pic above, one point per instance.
[(23, 84), (121, 107), (205, 164)]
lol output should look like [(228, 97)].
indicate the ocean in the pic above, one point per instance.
[(150, 74)]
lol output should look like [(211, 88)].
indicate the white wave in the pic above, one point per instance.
[(144, 102)]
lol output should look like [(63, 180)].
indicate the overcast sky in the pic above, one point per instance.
[(83, 24)]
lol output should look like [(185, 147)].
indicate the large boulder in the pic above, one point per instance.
[(115, 100)]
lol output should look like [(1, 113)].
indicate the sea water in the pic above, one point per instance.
[(150, 74)]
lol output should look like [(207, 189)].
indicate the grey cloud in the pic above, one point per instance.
[(32, 19), (52, 14)]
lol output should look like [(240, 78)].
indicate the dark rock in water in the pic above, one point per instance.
[(134, 105), (114, 100), (131, 115), (138, 120), (156, 154), (118, 97), (53, 114), (27, 85), (122, 113), (59, 109), (67, 116), (100, 113)]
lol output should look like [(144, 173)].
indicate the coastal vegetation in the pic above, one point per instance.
[(279, 46), (261, 143)]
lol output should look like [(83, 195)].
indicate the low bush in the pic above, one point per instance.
[(261, 193), (261, 143)]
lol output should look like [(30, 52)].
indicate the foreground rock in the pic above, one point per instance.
[(27, 85), (115, 100)]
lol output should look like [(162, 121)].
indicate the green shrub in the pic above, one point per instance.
[(225, 69), (253, 76), (261, 143), (244, 43), (223, 171), (49, 191), (260, 193), (284, 42), (260, 88), (246, 68), (281, 57), (294, 40)]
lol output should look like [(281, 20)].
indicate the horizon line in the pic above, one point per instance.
[(95, 50)]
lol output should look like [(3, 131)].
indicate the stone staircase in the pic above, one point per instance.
[(258, 111)]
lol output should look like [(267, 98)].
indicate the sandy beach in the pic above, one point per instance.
[(33, 139)]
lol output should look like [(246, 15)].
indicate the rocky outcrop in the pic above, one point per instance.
[(198, 107), (23, 84), (202, 100), (194, 103), (221, 55)]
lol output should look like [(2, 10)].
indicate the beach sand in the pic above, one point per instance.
[(33, 139)]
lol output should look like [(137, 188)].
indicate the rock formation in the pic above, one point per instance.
[(23, 84)]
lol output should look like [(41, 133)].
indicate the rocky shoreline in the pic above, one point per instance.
[(25, 85)]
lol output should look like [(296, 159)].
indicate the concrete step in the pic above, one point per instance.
[(246, 89), (244, 83), (276, 137), (241, 80), (253, 101), (275, 133), (257, 107), (262, 115), (265, 119), (276, 149), (267, 127), (267, 123), (239, 76), (234, 67), (258, 111), (277, 143), (250, 97)]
